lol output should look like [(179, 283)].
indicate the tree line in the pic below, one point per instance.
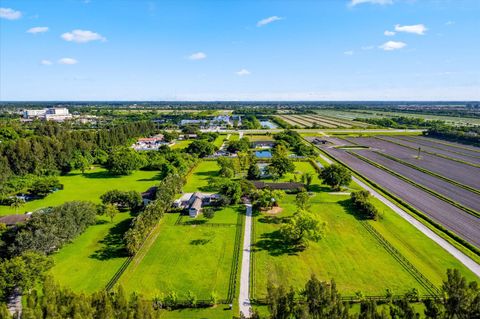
[(461, 134)]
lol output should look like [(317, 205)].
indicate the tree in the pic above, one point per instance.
[(267, 198), (123, 161), (208, 212), (242, 145), (110, 210), (201, 148), (80, 162), (280, 163), (336, 176), (360, 201), (16, 203), (301, 228), (227, 167), (302, 200), (307, 179), (131, 200), (44, 185), (254, 172)]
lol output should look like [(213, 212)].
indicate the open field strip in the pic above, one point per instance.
[(460, 172), (451, 181), (254, 138), (312, 122), (444, 191), (295, 119), (290, 121), (343, 120), (464, 147), (475, 160), (447, 119), (446, 148), (335, 255), (402, 143), (89, 186), (448, 247), (322, 119)]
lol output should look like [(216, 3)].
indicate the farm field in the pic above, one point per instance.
[(311, 120), (451, 145), (462, 173), (460, 222), (348, 252), (92, 259), (89, 186), (432, 147)]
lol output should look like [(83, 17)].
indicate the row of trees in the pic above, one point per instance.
[(144, 222), (321, 300), (293, 141), (462, 134), (49, 229)]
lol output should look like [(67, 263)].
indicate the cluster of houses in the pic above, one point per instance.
[(215, 123), (149, 143), (58, 114)]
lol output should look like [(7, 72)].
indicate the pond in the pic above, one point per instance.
[(263, 154), (268, 124)]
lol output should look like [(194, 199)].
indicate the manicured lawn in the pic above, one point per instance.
[(234, 137), (253, 138), (219, 140), (89, 186), (184, 258), (181, 144), (199, 177), (91, 260), (347, 253)]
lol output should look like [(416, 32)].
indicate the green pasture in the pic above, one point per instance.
[(198, 179), (90, 261), (183, 258), (181, 144), (89, 186), (347, 253)]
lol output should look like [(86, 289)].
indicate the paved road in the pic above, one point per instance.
[(464, 259), (244, 297)]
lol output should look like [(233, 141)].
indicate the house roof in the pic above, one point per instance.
[(279, 186), (11, 220), (150, 193), (197, 204)]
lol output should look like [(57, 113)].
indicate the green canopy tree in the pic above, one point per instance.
[(336, 176)]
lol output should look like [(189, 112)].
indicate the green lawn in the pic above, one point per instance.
[(218, 312), (199, 177), (182, 258), (254, 138), (91, 260), (347, 253), (88, 186), (181, 144)]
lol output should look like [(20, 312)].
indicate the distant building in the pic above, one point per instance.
[(13, 220), (149, 143), (49, 114)]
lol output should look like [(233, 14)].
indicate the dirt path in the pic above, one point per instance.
[(464, 259), (244, 296)]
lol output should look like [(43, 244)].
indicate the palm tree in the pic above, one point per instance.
[(17, 202)]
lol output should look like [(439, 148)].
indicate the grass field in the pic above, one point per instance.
[(186, 257), (88, 263), (347, 253), (219, 312), (181, 144), (199, 177), (88, 186), (254, 138)]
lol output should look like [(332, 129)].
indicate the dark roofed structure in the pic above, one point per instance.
[(150, 193), (12, 220), (286, 186)]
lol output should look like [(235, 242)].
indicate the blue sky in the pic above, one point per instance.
[(240, 50)]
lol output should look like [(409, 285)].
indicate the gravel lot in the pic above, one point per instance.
[(464, 174), (458, 194), (463, 224)]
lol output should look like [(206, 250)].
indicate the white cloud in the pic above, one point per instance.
[(68, 61), (416, 28), (350, 52), (46, 62), (243, 72), (389, 33), (268, 20), (450, 23), (197, 56), (382, 2), (10, 14), (392, 45), (36, 30), (82, 36)]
